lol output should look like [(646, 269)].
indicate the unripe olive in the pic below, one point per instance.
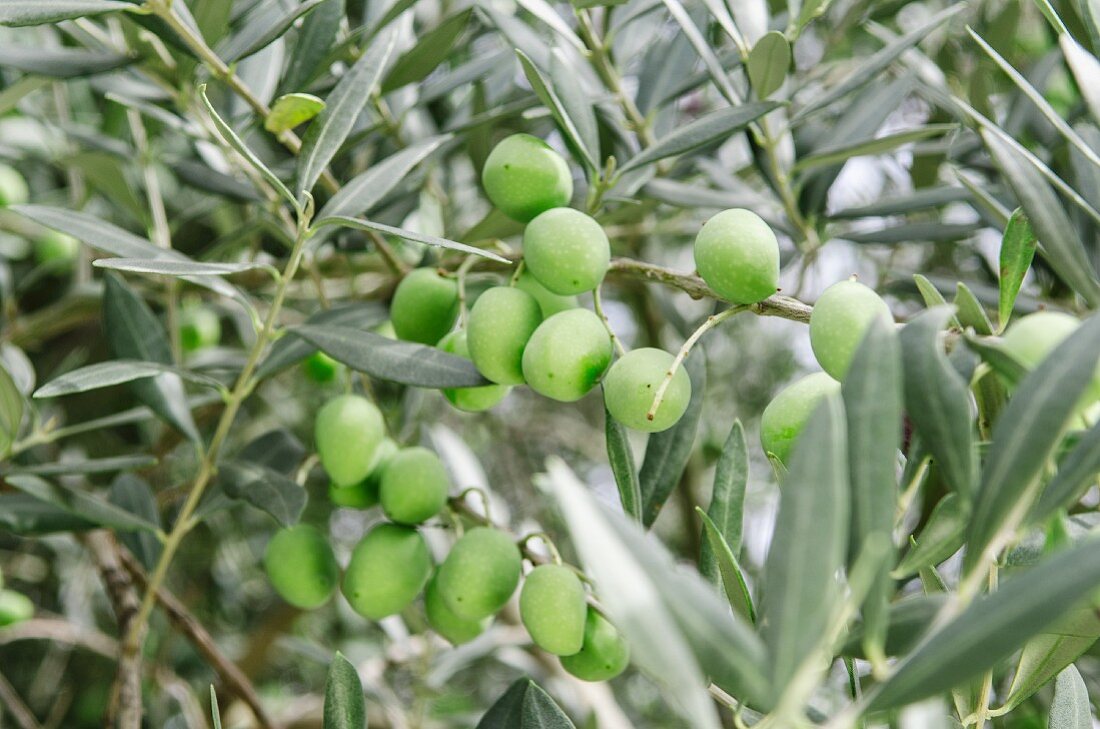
[(414, 486), (501, 321), (13, 188), (456, 629), (1031, 339), (839, 320), (319, 367), (424, 306), (549, 302), (301, 566), (566, 250), (567, 355), (632, 383), (480, 574), (738, 256), (470, 399), (388, 569), (348, 429), (523, 177), (199, 327), (553, 609), (56, 249), (604, 654), (786, 415), (15, 607), (364, 494)]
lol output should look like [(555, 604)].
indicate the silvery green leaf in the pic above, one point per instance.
[(1076, 474), (291, 349), (1071, 708), (833, 154), (80, 504), (525, 706), (549, 96), (727, 499), (1085, 68), (261, 32), (1017, 251), (38, 12), (116, 372), (345, 707), (431, 240), (768, 63), (621, 459), (431, 49), (61, 62), (176, 268)]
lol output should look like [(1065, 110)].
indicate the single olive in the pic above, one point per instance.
[(15, 607), (13, 188), (604, 655), (424, 306), (301, 566), (319, 367), (200, 327), (470, 399), (388, 569), (786, 415), (549, 302), (738, 256), (553, 607), (1032, 338), (364, 495), (453, 628), (500, 323), (414, 486), (567, 251), (839, 320), (523, 177), (632, 383), (56, 249), (480, 574), (567, 355), (347, 430)]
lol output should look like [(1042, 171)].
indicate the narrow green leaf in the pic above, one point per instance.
[(930, 231), (258, 33), (1071, 708), (727, 570), (80, 504), (115, 372), (18, 13), (431, 240), (1017, 251), (621, 458), (11, 411), (832, 154), (290, 110), (328, 131), (215, 712), (808, 546), (993, 353), (1076, 474), (548, 94), (703, 48), (1047, 654), (26, 515), (1085, 68), (704, 130), (176, 268), (917, 201), (290, 349), (727, 498), (345, 706), (264, 488), (135, 495), (768, 63), (928, 291), (909, 618), (575, 102), (525, 706), (943, 534), (667, 452), (431, 49), (97, 233), (971, 313), (92, 465), (316, 36), (1026, 436), (61, 62)]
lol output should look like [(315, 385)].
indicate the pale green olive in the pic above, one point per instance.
[(604, 655), (301, 566), (567, 355), (414, 486), (523, 177), (454, 628), (567, 251), (388, 569), (738, 256), (786, 415), (553, 608), (470, 399), (500, 323), (839, 321), (424, 306), (631, 386), (347, 431), (480, 574)]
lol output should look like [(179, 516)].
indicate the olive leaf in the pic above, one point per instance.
[(345, 707), (1017, 251), (768, 63), (37, 12), (621, 458), (525, 706)]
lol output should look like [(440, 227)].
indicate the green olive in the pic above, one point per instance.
[(347, 430), (15, 607), (364, 495), (523, 177), (839, 320), (470, 399), (319, 367), (457, 630), (200, 327), (549, 302), (388, 569), (786, 415), (301, 566), (414, 486), (631, 385), (13, 188), (1031, 339), (604, 654), (480, 574), (738, 256), (567, 251), (567, 355), (553, 607), (56, 249), (500, 323), (424, 306)]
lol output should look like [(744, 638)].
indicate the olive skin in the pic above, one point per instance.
[(604, 654), (321, 368), (737, 254), (15, 607), (424, 306), (500, 323), (414, 486), (839, 320), (13, 188), (364, 494), (632, 383), (470, 399), (301, 566), (553, 609), (1032, 338), (567, 355), (549, 302), (456, 630), (347, 431), (566, 251), (56, 249), (388, 569), (200, 327), (480, 574), (523, 177), (786, 415)]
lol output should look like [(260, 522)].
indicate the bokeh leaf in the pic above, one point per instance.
[(81, 504), (1071, 708)]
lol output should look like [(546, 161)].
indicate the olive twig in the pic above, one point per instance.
[(597, 304), (711, 322), (487, 514), (517, 273)]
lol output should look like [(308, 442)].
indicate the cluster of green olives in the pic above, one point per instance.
[(391, 565), (53, 249), (15, 607)]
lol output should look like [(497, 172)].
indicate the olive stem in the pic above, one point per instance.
[(487, 512), (550, 546), (460, 277), (597, 304), (711, 322), (517, 273)]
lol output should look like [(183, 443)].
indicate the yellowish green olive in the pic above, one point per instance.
[(470, 399), (414, 486), (364, 494), (501, 322), (786, 415), (347, 431), (839, 321), (604, 655), (15, 607), (455, 629), (523, 177), (388, 569), (56, 250), (301, 566), (738, 256), (424, 306), (200, 327), (480, 574), (631, 385), (549, 302), (567, 251), (567, 355), (553, 608)]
